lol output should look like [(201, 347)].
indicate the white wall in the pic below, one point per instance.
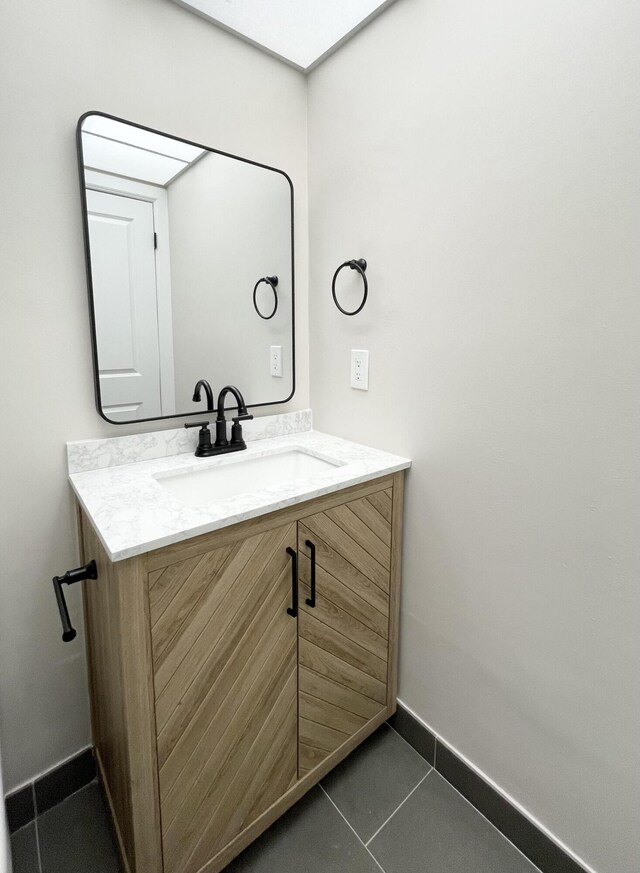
[(484, 158), (151, 62), (229, 225), (486, 164)]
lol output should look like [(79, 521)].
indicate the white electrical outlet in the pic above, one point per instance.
[(275, 356), (360, 369)]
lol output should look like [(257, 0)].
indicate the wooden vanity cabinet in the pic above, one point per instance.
[(343, 637), (224, 666), (214, 708)]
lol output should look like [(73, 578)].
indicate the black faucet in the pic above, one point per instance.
[(203, 384), (204, 448), (237, 442), (222, 444)]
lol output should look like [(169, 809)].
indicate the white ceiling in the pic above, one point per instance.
[(120, 149), (300, 32)]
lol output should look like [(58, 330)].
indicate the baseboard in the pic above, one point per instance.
[(521, 829), (537, 844), (49, 789)]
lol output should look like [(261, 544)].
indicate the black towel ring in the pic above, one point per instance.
[(272, 281), (360, 265)]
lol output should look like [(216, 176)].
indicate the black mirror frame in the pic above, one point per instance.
[(87, 253)]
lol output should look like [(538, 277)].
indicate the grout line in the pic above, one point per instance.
[(412, 748), (415, 788), (69, 796), (495, 827), (538, 825), (43, 773), (35, 824), (435, 769), (363, 844)]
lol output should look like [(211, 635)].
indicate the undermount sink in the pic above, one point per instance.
[(198, 487)]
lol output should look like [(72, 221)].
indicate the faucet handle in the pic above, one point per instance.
[(236, 429), (204, 437)]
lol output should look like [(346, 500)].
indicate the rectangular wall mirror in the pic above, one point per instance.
[(190, 271)]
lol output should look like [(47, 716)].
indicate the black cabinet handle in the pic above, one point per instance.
[(293, 609), (311, 601), (89, 571)]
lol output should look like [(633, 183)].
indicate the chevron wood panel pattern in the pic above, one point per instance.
[(233, 708), (320, 736), (362, 535), (345, 611), (327, 665), (253, 768), (383, 503), (341, 569), (323, 636), (185, 669), (344, 639), (175, 748), (368, 512), (224, 652), (313, 709), (325, 528), (345, 698)]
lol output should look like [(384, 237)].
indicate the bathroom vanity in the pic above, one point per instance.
[(238, 650), (241, 610)]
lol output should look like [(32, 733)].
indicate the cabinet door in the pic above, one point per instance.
[(224, 661), (343, 638)]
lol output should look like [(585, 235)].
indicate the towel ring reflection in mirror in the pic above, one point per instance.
[(272, 281), (360, 265)]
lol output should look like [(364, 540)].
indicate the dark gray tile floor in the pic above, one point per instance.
[(75, 835), (24, 848), (313, 836), (377, 777), (384, 809), (72, 837), (436, 829)]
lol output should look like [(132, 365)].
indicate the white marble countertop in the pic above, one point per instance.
[(133, 513)]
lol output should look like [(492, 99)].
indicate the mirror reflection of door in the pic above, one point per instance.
[(167, 316), (121, 233)]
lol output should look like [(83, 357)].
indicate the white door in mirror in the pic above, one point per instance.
[(360, 369), (123, 269)]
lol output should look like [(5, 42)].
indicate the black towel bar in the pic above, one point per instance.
[(360, 265), (89, 571), (272, 281)]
